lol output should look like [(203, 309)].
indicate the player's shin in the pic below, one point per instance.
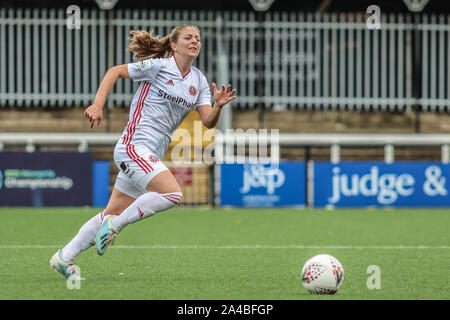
[(84, 239), (145, 206)]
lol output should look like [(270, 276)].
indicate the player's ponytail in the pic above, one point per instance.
[(145, 45)]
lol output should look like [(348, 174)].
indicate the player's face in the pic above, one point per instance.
[(188, 43)]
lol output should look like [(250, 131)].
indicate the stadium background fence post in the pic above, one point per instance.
[(108, 5), (260, 68), (308, 175), (225, 120), (212, 182), (417, 67), (310, 184), (261, 6), (110, 59)]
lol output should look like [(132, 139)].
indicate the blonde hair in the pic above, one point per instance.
[(145, 45)]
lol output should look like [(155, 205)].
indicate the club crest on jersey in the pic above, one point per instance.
[(192, 90), (153, 158)]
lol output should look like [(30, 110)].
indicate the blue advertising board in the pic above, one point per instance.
[(45, 179), (399, 184), (100, 183), (258, 185)]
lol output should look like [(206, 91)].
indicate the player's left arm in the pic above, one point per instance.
[(210, 115)]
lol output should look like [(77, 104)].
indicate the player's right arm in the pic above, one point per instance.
[(94, 112)]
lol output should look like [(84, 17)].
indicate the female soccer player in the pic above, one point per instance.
[(170, 87)]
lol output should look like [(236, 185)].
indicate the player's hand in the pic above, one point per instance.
[(224, 95), (94, 114)]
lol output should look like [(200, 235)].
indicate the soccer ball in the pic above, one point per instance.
[(323, 274)]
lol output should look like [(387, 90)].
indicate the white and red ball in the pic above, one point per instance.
[(323, 274)]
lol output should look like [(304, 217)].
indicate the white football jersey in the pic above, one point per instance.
[(164, 98)]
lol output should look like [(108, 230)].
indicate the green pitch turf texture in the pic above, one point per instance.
[(211, 254)]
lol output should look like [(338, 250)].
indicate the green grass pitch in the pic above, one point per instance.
[(236, 254)]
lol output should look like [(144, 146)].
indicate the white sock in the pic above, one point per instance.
[(84, 239), (145, 206)]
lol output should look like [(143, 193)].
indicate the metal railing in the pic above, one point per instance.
[(312, 61), (226, 142)]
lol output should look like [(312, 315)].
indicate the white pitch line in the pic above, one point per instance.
[(399, 247), (28, 246), (278, 247)]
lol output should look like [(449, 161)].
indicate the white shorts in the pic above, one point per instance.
[(138, 166)]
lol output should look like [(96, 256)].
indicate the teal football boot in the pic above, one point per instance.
[(106, 235)]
